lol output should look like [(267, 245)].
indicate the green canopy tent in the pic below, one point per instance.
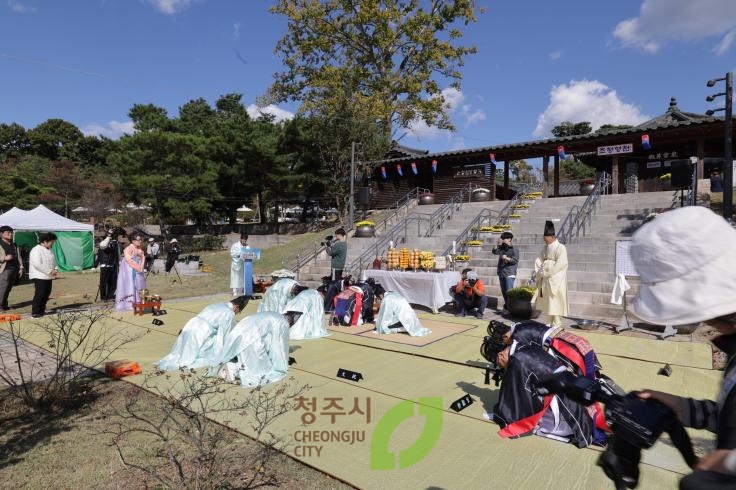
[(74, 249)]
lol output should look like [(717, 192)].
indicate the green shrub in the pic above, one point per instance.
[(207, 242), (521, 292)]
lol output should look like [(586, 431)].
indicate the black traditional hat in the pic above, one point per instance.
[(549, 228), (240, 301)]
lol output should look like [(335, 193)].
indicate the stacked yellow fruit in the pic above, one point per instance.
[(426, 260), (404, 258), (393, 259), (414, 259)]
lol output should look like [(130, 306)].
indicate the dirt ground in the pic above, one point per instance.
[(71, 450)]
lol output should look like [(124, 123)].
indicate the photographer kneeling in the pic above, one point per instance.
[(470, 293), (687, 276)]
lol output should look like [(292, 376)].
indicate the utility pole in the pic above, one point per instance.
[(351, 202), (728, 141), (728, 152)]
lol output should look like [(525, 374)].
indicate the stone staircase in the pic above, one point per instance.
[(441, 240), (592, 257)]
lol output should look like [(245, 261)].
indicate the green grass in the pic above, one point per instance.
[(80, 288)]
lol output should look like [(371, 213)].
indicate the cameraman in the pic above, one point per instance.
[(507, 261), (687, 276), (108, 257), (338, 250), (173, 254), (470, 293)]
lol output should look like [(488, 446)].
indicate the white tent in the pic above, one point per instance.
[(74, 249)]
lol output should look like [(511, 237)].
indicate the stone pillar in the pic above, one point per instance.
[(614, 175), (545, 176), (701, 158)]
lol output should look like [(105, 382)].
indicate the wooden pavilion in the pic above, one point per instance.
[(634, 157)]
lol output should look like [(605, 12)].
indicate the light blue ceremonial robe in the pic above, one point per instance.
[(277, 296), (311, 323), (197, 344), (260, 343), (394, 308)]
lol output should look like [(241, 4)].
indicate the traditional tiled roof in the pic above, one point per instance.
[(400, 151), (673, 118)]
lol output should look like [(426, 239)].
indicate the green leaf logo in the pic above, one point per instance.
[(381, 458)]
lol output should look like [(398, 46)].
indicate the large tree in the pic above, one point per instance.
[(55, 139), (367, 68), (571, 167), (170, 172)]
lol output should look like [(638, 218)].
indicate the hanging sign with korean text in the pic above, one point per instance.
[(616, 149)]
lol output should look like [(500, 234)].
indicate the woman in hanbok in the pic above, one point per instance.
[(130, 278), (311, 323), (396, 315)]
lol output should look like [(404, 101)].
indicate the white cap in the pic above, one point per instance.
[(686, 260)]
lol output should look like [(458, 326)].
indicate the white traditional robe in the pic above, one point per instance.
[(277, 296), (395, 308), (236, 266), (551, 294), (311, 323), (260, 343), (198, 344)]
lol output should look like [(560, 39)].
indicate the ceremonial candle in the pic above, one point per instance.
[(453, 247)]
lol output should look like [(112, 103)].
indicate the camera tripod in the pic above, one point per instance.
[(173, 266)]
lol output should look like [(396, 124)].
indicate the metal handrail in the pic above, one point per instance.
[(310, 253), (484, 217), (400, 231), (580, 218)]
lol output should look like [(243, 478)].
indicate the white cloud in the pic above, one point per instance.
[(236, 30), (455, 106), (662, 21), (113, 130), (586, 100), (725, 43), (279, 114), (555, 55), (19, 7), (170, 7)]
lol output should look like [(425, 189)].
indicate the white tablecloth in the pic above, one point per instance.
[(430, 289)]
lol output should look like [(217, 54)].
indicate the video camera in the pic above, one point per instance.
[(328, 241), (493, 344), (636, 424)]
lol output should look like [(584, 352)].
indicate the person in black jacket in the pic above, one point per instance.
[(508, 259), (108, 259), (687, 277), (173, 254)]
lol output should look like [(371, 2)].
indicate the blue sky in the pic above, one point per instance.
[(539, 62)]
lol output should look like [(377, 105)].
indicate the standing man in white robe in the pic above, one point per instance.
[(236, 267), (551, 270), (200, 341)]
